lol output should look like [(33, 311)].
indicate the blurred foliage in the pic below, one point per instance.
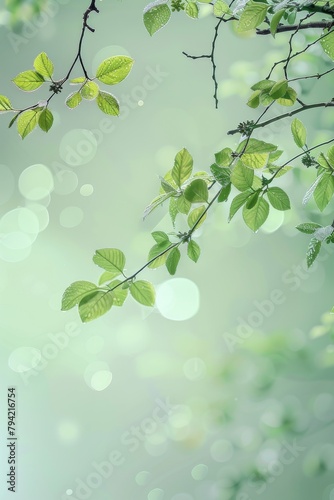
[(17, 12)]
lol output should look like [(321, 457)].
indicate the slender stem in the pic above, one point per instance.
[(295, 27), (286, 115)]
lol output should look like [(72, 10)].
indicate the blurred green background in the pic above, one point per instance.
[(224, 390)]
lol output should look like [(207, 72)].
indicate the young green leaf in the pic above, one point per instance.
[(73, 100), (224, 193), (159, 253), (238, 202), (27, 121), (119, 294), (313, 251), (274, 23), (28, 80), (173, 260), (327, 43), (252, 16), (45, 120), (224, 157), (299, 132), (143, 292), (110, 259), (289, 98), (156, 16), (263, 85), (197, 216), (43, 65), (308, 227), (257, 215), (242, 177), (76, 81), (193, 250), (254, 100), (279, 89), (183, 205), (108, 103), (160, 237), (192, 10), (278, 198), (114, 70), (183, 166), (105, 277), (94, 305), (75, 293), (221, 175), (90, 90), (324, 191), (220, 8), (5, 104), (173, 210), (197, 191)]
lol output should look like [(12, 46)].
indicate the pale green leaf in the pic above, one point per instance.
[(43, 65), (197, 191), (252, 16), (242, 177), (90, 90), (110, 259), (75, 293), (94, 305), (143, 292), (28, 80), (107, 103), (156, 16), (183, 165), (278, 198), (114, 70), (73, 100), (299, 132), (173, 260), (45, 120), (197, 217), (312, 251), (256, 216), (193, 250)]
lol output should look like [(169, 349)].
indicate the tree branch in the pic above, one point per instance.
[(295, 27)]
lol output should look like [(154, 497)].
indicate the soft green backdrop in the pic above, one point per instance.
[(83, 390)]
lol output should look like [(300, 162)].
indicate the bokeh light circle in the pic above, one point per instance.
[(24, 359), (36, 182), (78, 147), (178, 299)]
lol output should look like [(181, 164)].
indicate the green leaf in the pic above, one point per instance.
[(224, 157), (278, 198), (173, 210), (73, 100), (289, 98), (252, 16), (5, 104), (143, 292), (45, 120), (197, 191), (160, 237), (299, 132), (257, 215), (43, 65), (156, 203), (94, 305), (330, 156), (274, 23), (192, 10), (80, 79), (254, 100), (324, 191), (28, 80), (281, 170), (90, 90), (220, 8), (107, 103), (237, 203), (110, 259), (256, 153), (173, 260), (183, 205), (193, 250), (312, 251), (263, 85), (114, 70), (242, 177), (221, 175), (279, 89), (119, 294), (154, 253), (308, 227), (75, 293), (327, 43), (27, 121), (195, 216), (183, 166), (166, 186), (156, 16), (13, 120), (252, 200), (224, 193), (105, 277)]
